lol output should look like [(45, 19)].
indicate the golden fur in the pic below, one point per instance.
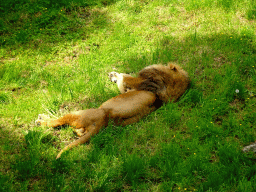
[(168, 82), (123, 109), (140, 96)]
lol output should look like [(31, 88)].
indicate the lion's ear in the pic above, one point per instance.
[(173, 67)]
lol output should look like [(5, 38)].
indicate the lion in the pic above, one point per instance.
[(155, 85), (169, 82)]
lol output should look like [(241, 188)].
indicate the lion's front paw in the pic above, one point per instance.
[(113, 76)]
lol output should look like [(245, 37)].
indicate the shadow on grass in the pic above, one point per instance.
[(11, 145), (31, 162), (33, 24)]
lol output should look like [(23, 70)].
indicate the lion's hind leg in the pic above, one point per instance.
[(42, 119), (136, 117), (68, 119), (80, 132)]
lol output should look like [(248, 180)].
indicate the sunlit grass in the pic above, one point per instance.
[(55, 59)]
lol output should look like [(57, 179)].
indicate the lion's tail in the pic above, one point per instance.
[(77, 142)]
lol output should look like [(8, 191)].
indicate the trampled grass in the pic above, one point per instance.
[(55, 57)]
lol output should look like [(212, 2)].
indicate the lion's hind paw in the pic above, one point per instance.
[(38, 122), (41, 119)]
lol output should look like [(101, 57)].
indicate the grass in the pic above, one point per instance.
[(55, 57)]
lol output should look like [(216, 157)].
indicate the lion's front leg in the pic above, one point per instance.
[(118, 79), (114, 76), (121, 80)]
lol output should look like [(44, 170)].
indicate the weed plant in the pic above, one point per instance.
[(55, 58)]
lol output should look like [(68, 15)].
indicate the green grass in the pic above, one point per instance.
[(55, 58)]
